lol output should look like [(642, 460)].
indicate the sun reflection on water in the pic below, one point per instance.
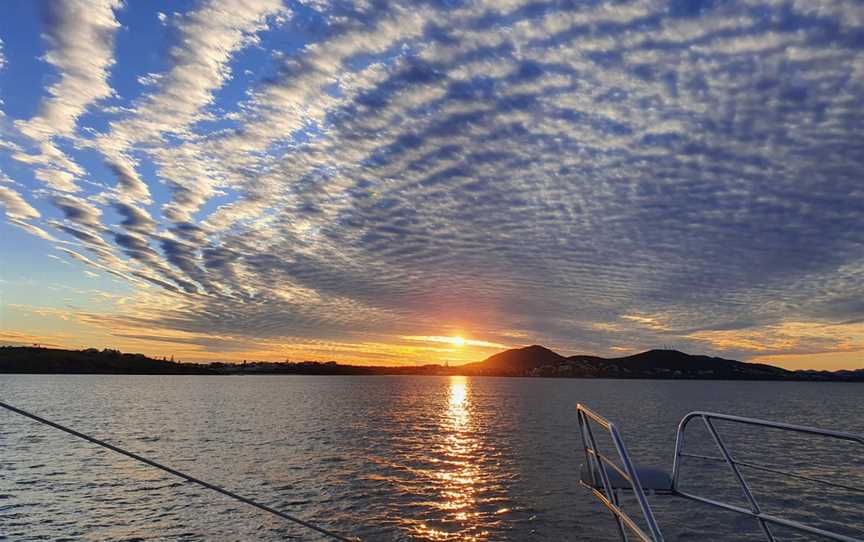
[(458, 398), (458, 475)]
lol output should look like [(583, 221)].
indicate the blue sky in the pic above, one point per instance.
[(257, 179)]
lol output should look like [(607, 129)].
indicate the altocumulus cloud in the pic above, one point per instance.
[(595, 177)]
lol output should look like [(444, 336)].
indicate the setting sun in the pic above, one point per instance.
[(433, 238)]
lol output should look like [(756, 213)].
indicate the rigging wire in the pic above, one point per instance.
[(179, 474)]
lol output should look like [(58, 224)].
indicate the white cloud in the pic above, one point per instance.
[(32, 229), (208, 38), (81, 41), (546, 171), (15, 206)]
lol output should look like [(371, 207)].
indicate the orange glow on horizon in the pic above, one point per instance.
[(842, 345)]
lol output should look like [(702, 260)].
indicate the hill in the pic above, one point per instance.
[(672, 363), (658, 364), (515, 362), (24, 360)]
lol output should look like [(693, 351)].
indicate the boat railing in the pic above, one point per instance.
[(753, 509), (604, 477)]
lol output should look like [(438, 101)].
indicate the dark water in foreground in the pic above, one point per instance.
[(389, 458)]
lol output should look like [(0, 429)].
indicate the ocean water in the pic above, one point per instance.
[(398, 458)]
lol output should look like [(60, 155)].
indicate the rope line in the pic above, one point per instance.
[(179, 474)]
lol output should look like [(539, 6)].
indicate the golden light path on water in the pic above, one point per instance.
[(458, 478)]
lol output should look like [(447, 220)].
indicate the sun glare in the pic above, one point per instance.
[(458, 341)]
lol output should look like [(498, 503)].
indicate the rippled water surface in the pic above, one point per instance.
[(392, 458)]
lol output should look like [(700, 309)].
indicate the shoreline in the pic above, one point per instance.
[(627, 378)]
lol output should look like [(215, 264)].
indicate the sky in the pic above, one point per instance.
[(429, 182)]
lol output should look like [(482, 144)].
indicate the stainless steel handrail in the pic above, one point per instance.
[(597, 463), (598, 466), (765, 520)]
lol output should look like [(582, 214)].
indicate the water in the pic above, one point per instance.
[(385, 458)]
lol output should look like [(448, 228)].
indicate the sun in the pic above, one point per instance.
[(458, 341)]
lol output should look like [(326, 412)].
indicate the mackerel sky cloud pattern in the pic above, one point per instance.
[(257, 177)]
